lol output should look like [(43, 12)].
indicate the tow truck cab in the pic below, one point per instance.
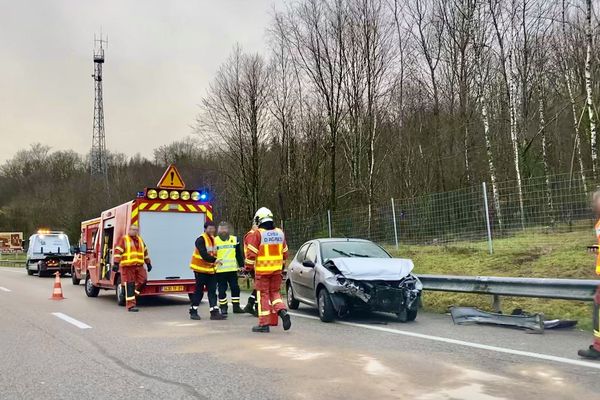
[(169, 220), (48, 252)]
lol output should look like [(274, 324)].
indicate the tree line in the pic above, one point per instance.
[(357, 101)]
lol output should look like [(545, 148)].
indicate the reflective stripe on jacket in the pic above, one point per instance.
[(597, 229), (200, 265), (226, 254)]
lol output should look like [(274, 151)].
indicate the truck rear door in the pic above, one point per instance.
[(170, 238)]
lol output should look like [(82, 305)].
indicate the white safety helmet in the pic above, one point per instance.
[(263, 215)]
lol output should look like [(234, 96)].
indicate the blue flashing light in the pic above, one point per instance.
[(203, 196), (140, 194)]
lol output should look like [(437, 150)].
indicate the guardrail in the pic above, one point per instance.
[(12, 263), (566, 289)]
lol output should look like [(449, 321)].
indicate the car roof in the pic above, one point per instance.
[(329, 240)]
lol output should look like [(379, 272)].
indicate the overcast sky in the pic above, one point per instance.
[(160, 59)]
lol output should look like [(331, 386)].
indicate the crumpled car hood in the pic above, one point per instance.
[(373, 269)]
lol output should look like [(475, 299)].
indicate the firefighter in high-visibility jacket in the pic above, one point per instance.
[(204, 264), (593, 352), (267, 252), (129, 258), (250, 306), (230, 259)]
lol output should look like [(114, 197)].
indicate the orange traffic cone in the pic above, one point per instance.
[(57, 293)]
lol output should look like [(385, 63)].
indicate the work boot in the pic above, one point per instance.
[(249, 307), (194, 313), (223, 309), (285, 318), (590, 353), (237, 309), (133, 309), (261, 329), (215, 315)]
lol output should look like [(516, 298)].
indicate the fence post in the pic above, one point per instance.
[(395, 226), (487, 219), (329, 221)]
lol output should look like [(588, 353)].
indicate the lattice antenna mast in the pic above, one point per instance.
[(98, 163)]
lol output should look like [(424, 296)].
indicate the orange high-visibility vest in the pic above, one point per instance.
[(131, 254), (269, 258), (200, 265)]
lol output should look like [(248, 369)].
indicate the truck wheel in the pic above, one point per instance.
[(120, 291), (292, 303), (326, 310), (29, 271), (90, 289), (74, 277)]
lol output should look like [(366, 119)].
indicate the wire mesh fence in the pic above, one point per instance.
[(475, 216)]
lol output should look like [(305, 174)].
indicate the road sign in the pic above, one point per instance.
[(171, 179)]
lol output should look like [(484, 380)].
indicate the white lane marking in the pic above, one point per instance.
[(71, 320), (4, 289), (505, 350)]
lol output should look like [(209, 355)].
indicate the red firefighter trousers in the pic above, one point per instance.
[(268, 298), (133, 278), (596, 319)]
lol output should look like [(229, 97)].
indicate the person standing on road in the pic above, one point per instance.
[(230, 259), (593, 352), (250, 306), (204, 264), (130, 255), (267, 251)]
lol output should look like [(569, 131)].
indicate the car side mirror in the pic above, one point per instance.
[(75, 249), (308, 264), (83, 248)]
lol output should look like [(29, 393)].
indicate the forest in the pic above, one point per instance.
[(355, 102)]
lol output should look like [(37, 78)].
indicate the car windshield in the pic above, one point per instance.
[(352, 249)]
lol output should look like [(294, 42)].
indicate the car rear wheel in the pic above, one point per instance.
[(292, 303), (90, 289), (120, 290), (326, 310), (29, 271)]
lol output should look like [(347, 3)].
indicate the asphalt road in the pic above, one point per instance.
[(158, 353)]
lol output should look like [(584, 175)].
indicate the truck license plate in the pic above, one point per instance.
[(178, 288)]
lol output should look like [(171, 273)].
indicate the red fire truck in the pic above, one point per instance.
[(170, 218)]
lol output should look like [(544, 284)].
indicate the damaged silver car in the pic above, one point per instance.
[(338, 276)]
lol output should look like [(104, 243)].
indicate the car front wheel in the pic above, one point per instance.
[(292, 303), (326, 310), (406, 315)]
